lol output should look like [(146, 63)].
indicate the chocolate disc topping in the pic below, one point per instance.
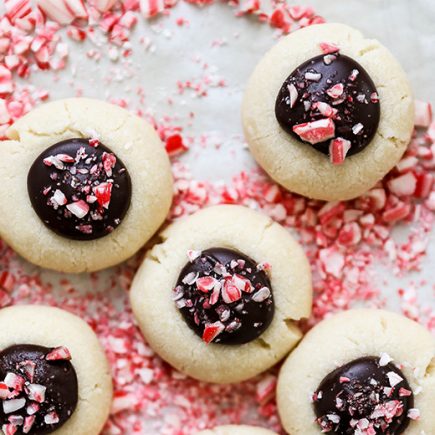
[(224, 296), (330, 102), (38, 389), (79, 189), (365, 396)]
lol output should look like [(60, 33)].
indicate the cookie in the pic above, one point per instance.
[(219, 297), (54, 376), (327, 113), (362, 371), (85, 184), (236, 430)]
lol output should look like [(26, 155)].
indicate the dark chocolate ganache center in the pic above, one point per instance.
[(225, 296), (329, 102), (366, 395), (38, 389), (79, 189)]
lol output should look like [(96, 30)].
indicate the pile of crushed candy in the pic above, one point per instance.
[(343, 240)]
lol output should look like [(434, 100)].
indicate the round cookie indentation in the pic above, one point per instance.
[(225, 297), (80, 189), (38, 388), (364, 394), (329, 97)]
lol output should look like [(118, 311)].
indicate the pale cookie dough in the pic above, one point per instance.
[(51, 328), (298, 166), (249, 233), (236, 430), (130, 138), (349, 336)]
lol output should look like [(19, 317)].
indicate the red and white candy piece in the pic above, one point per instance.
[(59, 353), (28, 367), (205, 283), (211, 331), (51, 418), (423, 114), (325, 109), (175, 145), (59, 198), (336, 91), (9, 429), (79, 208), (404, 185), (109, 162), (14, 382), (36, 392), (28, 423), (329, 47), (63, 11), (242, 283), (4, 391), (316, 131), (193, 255), (230, 293), (293, 92), (338, 149), (103, 193)]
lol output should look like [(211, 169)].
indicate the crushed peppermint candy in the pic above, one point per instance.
[(224, 296), (38, 388), (149, 393), (367, 401), (329, 102), (81, 190)]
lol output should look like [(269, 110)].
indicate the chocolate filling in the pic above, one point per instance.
[(79, 189), (364, 395), (38, 395), (225, 297), (336, 91)]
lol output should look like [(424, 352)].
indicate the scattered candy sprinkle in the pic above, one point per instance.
[(343, 240)]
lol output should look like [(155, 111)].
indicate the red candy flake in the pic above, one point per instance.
[(328, 47), (338, 149), (211, 331), (28, 423), (4, 391), (7, 281), (9, 429), (103, 193), (59, 353), (316, 131), (175, 145)]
